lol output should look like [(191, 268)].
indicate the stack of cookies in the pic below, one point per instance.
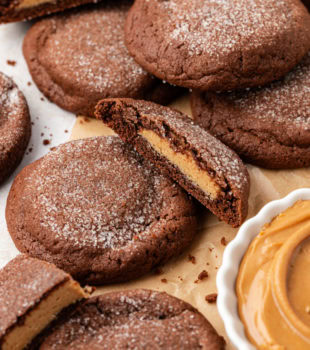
[(111, 209)]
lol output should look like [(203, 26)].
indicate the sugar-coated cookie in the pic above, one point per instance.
[(97, 210), (79, 57), (269, 126), (15, 126), (218, 45), (200, 163), (32, 293), (135, 319)]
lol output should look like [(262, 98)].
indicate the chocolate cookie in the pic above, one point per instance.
[(269, 126), (79, 57), (21, 10), (32, 293), (97, 210), (136, 319), (15, 126), (201, 164), (218, 45)]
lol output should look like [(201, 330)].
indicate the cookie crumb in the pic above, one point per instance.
[(164, 280), (223, 241), (46, 142), (192, 259), (203, 274), (53, 148), (11, 63), (89, 289), (29, 83), (86, 120), (66, 131), (42, 99), (211, 298)]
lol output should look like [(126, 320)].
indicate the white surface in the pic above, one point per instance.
[(47, 119), (226, 278)]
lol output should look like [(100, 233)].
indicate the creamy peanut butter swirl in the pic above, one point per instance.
[(273, 285)]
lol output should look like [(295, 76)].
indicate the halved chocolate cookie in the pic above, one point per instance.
[(201, 164), (21, 10), (15, 126), (218, 45), (79, 57), (97, 210), (268, 126), (136, 319), (32, 293)]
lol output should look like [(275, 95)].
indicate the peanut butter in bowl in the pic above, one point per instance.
[(273, 284)]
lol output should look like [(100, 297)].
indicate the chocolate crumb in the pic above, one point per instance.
[(42, 99), (211, 298), (192, 259), (42, 134), (30, 150), (32, 123), (66, 131), (29, 83), (164, 280), (11, 63), (53, 148), (203, 274), (86, 120), (223, 241), (46, 142), (90, 289)]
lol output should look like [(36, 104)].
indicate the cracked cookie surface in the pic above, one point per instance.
[(135, 319), (269, 126), (218, 45), (97, 210)]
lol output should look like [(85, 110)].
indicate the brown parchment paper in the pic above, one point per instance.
[(179, 275)]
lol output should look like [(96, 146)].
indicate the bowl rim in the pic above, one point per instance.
[(227, 302)]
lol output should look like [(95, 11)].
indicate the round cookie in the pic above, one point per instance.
[(97, 210), (135, 319), (15, 126), (268, 127), (79, 57), (218, 45)]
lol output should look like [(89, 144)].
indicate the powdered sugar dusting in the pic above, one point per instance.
[(149, 320), (219, 27), (23, 282), (89, 54), (13, 121), (282, 102), (214, 154), (95, 193)]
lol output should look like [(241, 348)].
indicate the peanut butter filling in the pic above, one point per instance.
[(23, 4), (273, 285), (39, 317), (183, 161)]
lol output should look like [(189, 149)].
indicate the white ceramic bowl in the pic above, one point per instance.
[(233, 254)]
